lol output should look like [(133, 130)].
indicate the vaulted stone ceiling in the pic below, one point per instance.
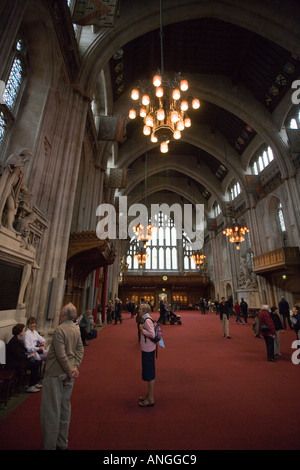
[(240, 59)]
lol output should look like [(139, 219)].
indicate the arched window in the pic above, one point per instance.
[(234, 190), (161, 249), (280, 218), (188, 262), (262, 160), (216, 209), (14, 86), (294, 121)]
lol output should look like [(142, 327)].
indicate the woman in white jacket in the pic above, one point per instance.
[(33, 341)]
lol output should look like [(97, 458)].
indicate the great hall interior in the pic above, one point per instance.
[(68, 149)]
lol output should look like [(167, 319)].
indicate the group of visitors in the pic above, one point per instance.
[(272, 320), (24, 352), (114, 311), (86, 325), (267, 324)]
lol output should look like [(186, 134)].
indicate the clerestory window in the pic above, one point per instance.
[(264, 158), (14, 87)]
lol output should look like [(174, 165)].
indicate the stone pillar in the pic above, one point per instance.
[(57, 194), (11, 14)]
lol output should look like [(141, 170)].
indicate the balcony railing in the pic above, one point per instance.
[(282, 258)]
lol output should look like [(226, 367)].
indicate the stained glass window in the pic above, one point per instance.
[(262, 160), (280, 218), (235, 190), (295, 121), (2, 127), (13, 84), (161, 250)]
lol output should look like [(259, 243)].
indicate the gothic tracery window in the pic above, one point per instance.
[(262, 160), (13, 87), (280, 218), (161, 250)]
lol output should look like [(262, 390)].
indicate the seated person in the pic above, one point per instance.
[(86, 325), (19, 359), (34, 342)]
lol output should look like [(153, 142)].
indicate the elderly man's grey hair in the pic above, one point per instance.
[(70, 311)]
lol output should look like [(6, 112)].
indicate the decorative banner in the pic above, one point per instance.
[(211, 225), (294, 139), (117, 178), (253, 183), (112, 128), (95, 12)]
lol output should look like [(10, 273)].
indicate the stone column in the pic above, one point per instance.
[(11, 14), (56, 195)]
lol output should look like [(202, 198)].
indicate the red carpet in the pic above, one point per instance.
[(211, 393)]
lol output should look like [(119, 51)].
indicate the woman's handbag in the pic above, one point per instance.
[(264, 327)]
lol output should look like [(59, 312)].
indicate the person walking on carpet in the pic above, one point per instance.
[(63, 361), (224, 309), (267, 330), (148, 354)]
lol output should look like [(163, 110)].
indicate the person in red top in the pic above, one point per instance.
[(237, 311), (264, 318)]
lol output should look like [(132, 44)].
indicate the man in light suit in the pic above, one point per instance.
[(63, 361)]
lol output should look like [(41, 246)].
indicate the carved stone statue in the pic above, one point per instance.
[(123, 264), (247, 277), (12, 183), (28, 237)]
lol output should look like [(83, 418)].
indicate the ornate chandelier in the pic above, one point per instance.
[(236, 233), (198, 257), (163, 108), (141, 256), (163, 104), (143, 234)]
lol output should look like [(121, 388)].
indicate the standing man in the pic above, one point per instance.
[(63, 360), (224, 316), (244, 310), (284, 310), (118, 310)]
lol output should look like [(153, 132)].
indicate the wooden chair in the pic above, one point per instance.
[(7, 381)]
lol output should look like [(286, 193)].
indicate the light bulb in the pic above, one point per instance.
[(143, 112), (164, 147), (174, 116), (153, 138), (184, 85), (187, 122), (176, 94), (149, 120), (146, 130), (196, 103), (184, 105), (159, 92), (135, 94), (177, 134), (145, 100), (160, 114), (132, 114), (156, 80), (180, 125)]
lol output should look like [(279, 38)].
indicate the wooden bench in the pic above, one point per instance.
[(7, 382)]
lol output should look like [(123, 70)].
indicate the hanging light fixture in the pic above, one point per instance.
[(141, 255), (144, 233), (198, 257), (236, 233), (163, 104)]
